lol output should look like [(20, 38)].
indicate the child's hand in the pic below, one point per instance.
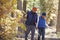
[(36, 28), (47, 26)]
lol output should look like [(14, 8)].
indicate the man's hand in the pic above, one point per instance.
[(35, 23)]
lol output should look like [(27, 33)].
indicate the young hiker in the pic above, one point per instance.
[(42, 26)]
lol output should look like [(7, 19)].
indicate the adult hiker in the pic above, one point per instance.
[(31, 23)]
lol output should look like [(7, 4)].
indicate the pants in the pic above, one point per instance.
[(32, 29), (41, 31)]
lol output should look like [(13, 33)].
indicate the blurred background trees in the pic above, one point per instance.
[(11, 11), (58, 21), (9, 17)]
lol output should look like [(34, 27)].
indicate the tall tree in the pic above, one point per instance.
[(24, 5), (6, 7), (58, 18), (19, 4)]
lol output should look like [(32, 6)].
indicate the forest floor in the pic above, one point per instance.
[(45, 39), (50, 34)]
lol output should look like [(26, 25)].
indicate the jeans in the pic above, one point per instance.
[(41, 31), (32, 29)]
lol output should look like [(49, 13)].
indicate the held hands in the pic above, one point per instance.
[(36, 28)]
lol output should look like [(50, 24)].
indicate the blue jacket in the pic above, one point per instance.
[(31, 18), (42, 22)]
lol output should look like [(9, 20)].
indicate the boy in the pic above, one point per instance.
[(42, 26)]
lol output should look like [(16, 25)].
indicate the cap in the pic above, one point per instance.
[(44, 14)]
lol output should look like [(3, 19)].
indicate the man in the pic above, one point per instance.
[(31, 23), (42, 26)]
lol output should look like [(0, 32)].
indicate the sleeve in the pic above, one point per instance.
[(29, 17), (46, 24)]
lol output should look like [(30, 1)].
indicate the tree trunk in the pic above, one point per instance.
[(58, 18), (19, 4), (24, 5)]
